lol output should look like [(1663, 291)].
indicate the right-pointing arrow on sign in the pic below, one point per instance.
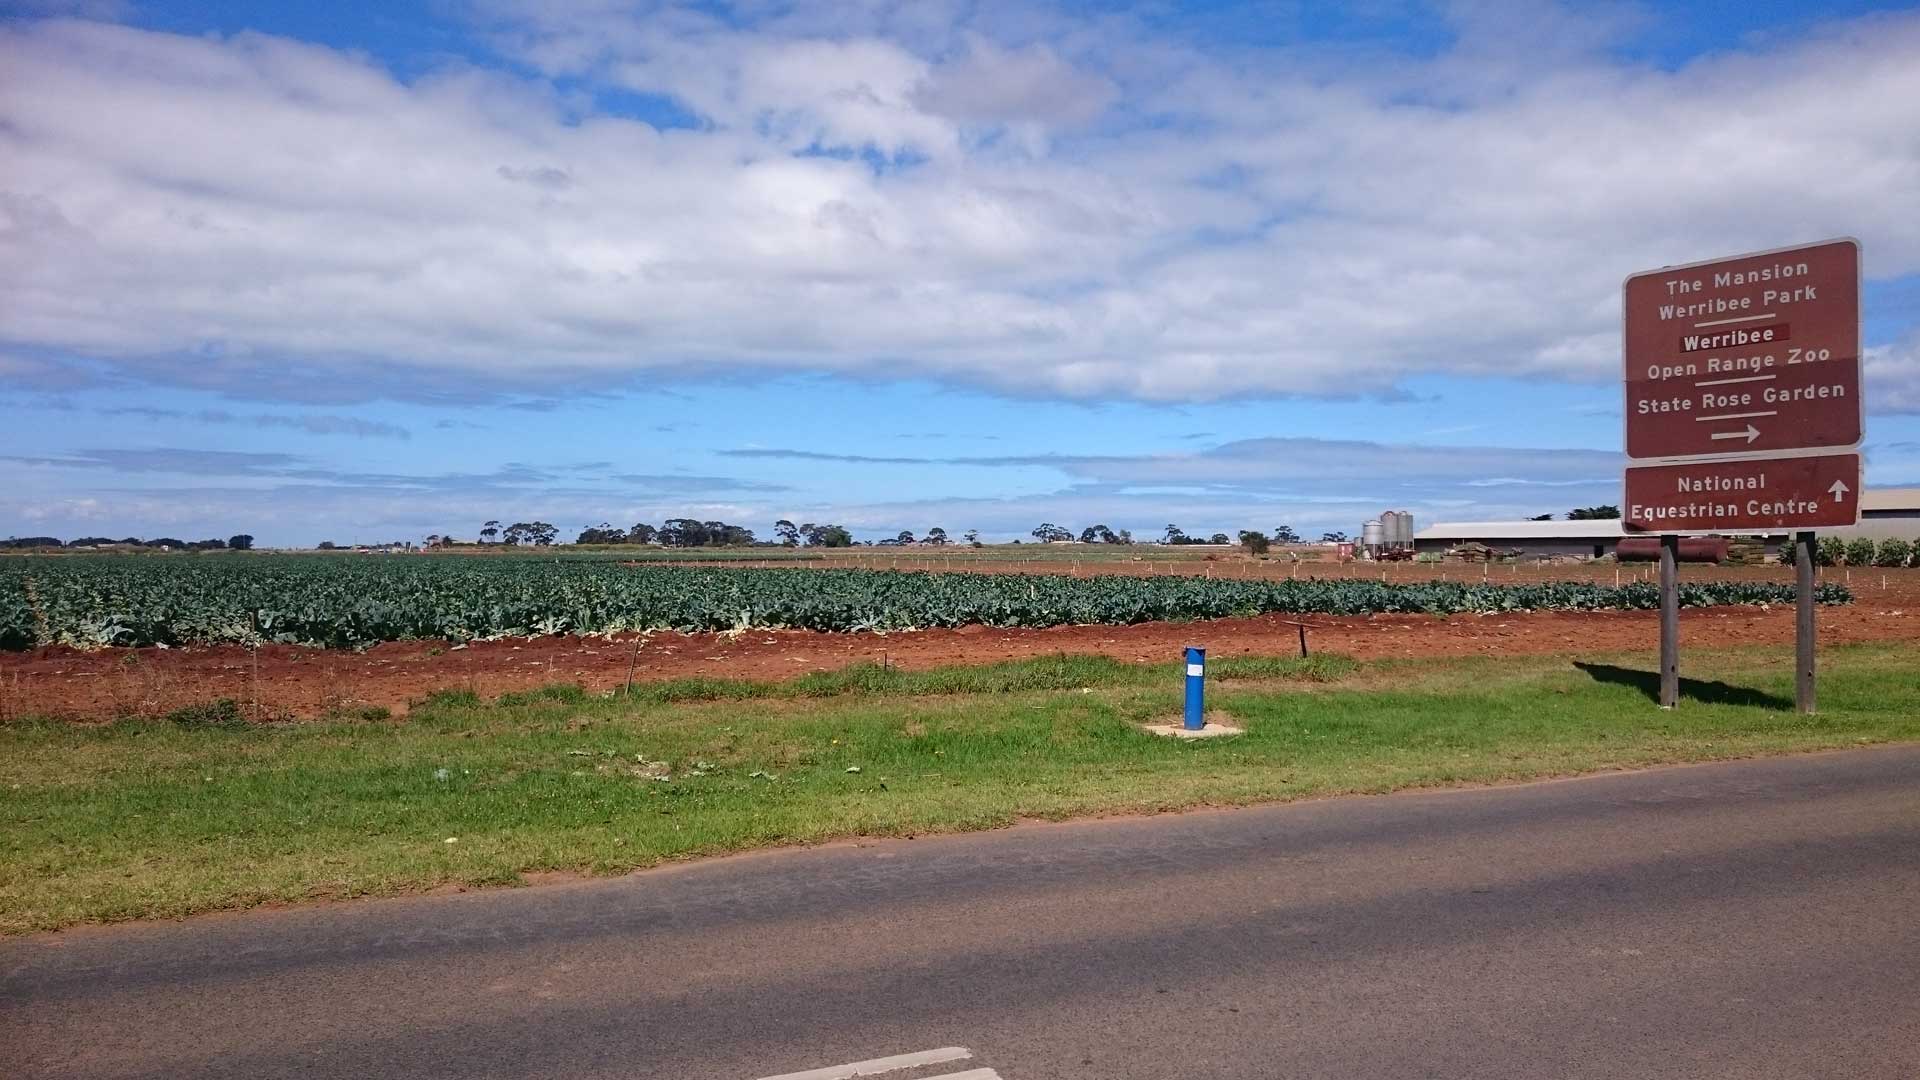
[(1839, 489), (1750, 434)]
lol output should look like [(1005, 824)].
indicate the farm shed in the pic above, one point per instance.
[(1885, 514), (1533, 539)]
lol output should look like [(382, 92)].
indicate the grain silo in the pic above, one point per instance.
[(1402, 532), (1372, 536)]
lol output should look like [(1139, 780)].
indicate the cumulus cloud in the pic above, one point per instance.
[(1076, 208), (1029, 89)]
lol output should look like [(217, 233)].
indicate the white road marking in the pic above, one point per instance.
[(892, 1064), (1743, 318)]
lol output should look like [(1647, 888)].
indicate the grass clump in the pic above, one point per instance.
[(219, 713), (451, 699)]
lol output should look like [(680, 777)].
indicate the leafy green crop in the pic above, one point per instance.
[(351, 602)]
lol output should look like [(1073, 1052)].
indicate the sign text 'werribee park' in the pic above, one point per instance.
[(1759, 353), (1778, 494)]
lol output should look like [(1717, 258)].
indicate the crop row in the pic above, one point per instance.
[(335, 602)]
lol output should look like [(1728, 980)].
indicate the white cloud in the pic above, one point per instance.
[(1031, 90), (1892, 373), (1080, 209)]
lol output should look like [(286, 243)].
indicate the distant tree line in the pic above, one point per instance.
[(1282, 534), (936, 537), (1253, 540), (682, 533), (1585, 513), (674, 532), (237, 542), (692, 533)]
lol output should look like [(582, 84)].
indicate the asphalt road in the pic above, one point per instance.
[(1746, 920)]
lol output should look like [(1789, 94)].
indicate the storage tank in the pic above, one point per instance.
[(1389, 529), (1373, 535), (1403, 520), (1693, 549)]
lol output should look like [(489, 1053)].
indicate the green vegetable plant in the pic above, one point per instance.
[(98, 601)]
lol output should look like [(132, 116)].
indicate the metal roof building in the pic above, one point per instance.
[(1591, 539), (1884, 513)]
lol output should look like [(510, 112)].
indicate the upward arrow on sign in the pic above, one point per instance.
[(1839, 490)]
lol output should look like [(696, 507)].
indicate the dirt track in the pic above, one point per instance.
[(292, 681)]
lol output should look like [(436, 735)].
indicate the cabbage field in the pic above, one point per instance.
[(99, 601)]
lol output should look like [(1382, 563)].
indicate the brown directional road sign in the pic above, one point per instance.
[(1754, 354), (1751, 495)]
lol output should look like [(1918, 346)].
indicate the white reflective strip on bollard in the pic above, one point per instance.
[(1196, 669)]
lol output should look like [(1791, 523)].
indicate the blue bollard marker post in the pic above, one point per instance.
[(1196, 689)]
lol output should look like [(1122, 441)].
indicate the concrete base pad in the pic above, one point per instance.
[(1216, 727)]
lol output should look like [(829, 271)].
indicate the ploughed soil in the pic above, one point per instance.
[(293, 681)]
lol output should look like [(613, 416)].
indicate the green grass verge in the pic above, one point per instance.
[(197, 812)]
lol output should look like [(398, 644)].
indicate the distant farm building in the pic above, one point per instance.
[(1531, 539), (1885, 513)]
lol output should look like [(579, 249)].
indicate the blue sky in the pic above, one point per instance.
[(363, 272)]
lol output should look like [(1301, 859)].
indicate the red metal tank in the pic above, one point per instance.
[(1693, 549)]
